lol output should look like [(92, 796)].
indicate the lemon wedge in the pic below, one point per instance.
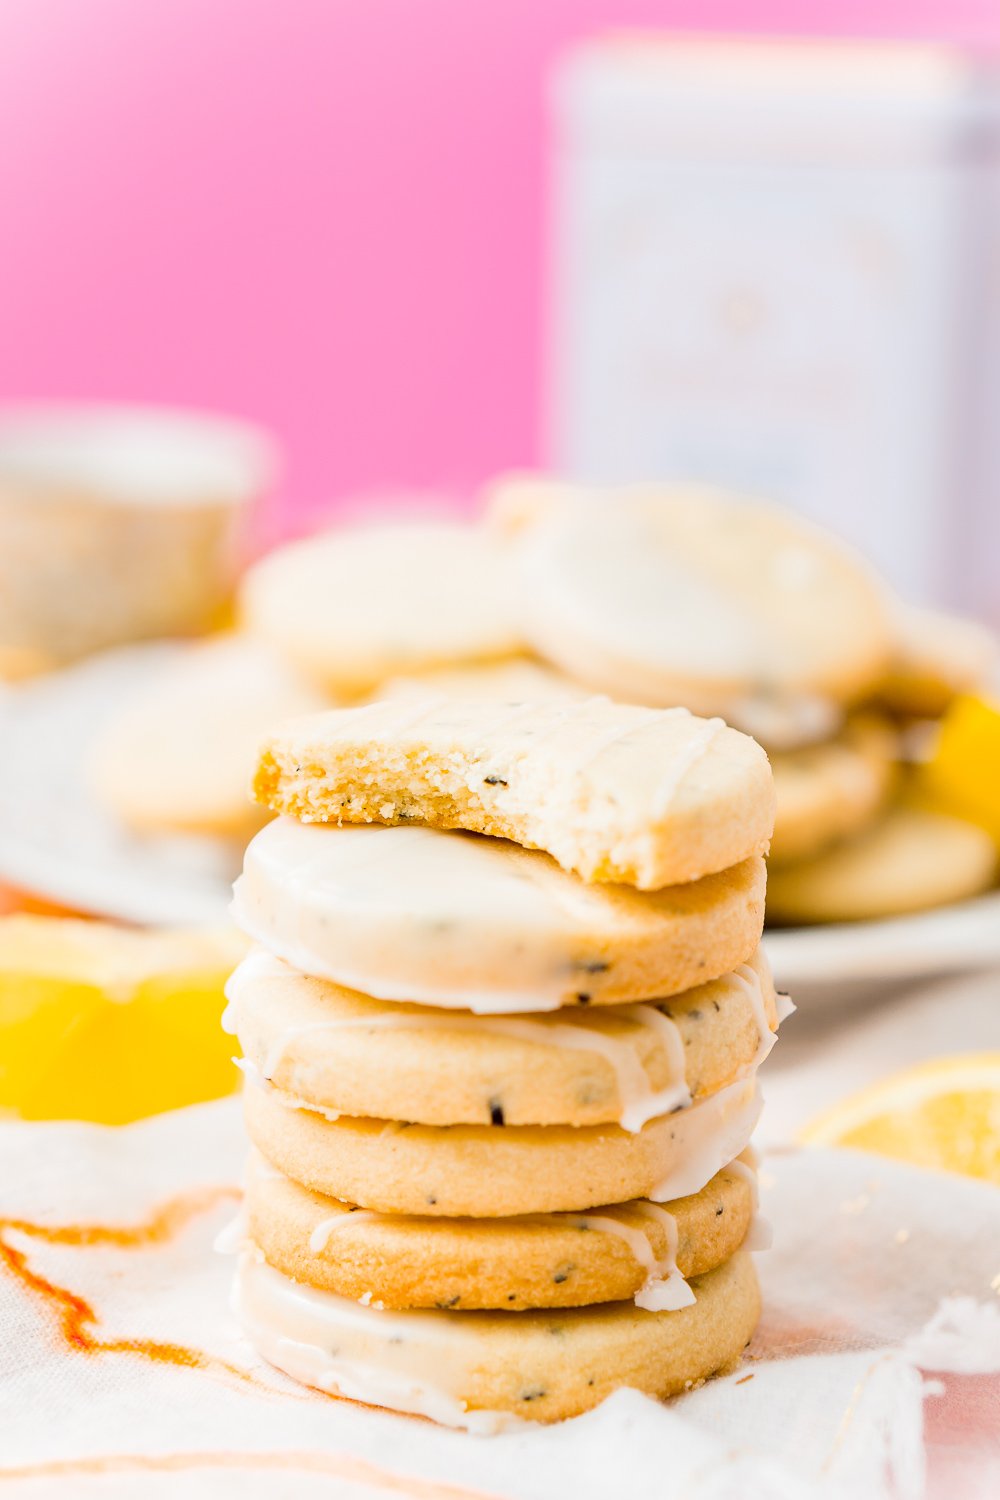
[(961, 775), (108, 1023), (943, 1114)]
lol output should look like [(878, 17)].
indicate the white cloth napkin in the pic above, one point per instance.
[(122, 1371)]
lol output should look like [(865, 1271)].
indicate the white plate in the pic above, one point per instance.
[(827, 960), (57, 842)]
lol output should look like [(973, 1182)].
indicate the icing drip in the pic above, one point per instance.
[(748, 979), (710, 1133), (686, 761), (324, 1231), (639, 1109), (251, 1071), (664, 1289), (759, 1236), (413, 1361)]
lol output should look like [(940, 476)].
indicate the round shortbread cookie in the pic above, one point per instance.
[(478, 1369), (544, 1260), (829, 792), (486, 1171), (686, 595), (355, 606), (452, 919), (937, 657), (338, 1050), (614, 792), (909, 861), (180, 754)]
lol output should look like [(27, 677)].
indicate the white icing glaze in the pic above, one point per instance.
[(258, 964), (321, 1235), (251, 1071), (664, 1289), (685, 762), (667, 1291), (414, 1361), (759, 1236), (709, 1135), (748, 979), (410, 913), (785, 1006)]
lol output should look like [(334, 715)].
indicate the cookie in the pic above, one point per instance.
[(611, 791), (458, 920), (489, 1171), (338, 1050), (178, 757), (907, 862), (671, 594), (352, 607), (829, 792), (629, 1250), (515, 679), (937, 656), (479, 1369)]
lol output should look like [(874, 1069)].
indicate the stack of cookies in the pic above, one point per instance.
[(501, 1088)]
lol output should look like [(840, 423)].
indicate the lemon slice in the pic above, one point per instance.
[(943, 1114), (961, 775), (107, 1023)]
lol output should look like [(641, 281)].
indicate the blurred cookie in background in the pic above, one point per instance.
[(513, 679), (830, 791), (177, 758), (683, 595), (908, 861), (352, 607)]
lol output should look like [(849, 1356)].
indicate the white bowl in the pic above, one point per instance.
[(118, 523)]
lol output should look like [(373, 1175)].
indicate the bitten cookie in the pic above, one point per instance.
[(670, 594), (491, 1171), (473, 1369), (335, 1049), (909, 861), (355, 606), (613, 792), (458, 920), (829, 792), (179, 756), (543, 1260)]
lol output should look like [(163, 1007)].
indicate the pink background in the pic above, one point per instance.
[(325, 214)]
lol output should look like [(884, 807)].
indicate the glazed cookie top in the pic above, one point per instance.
[(335, 1049), (354, 606), (687, 595), (648, 797), (458, 920), (179, 755)]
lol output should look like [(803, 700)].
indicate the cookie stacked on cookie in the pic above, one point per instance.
[(501, 1034)]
